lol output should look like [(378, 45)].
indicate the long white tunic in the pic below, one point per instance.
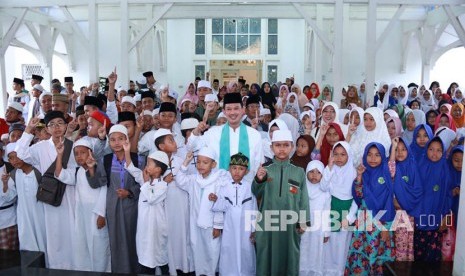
[(30, 213), (206, 249), (212, 138), (59, 221), (312, 247), (177, 218), (7, 216), (237, 251), (92, 245)]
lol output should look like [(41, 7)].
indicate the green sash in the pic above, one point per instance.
[(339, 205), (225, 154)]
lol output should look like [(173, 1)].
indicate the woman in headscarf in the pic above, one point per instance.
[(314, 91), (292, 100), (427, 101), (275, 89), (444, 107), (390, 114), (415, 104), (355, 119), (412, 120), (458, 96), (362, 94), (267, 97), (374, 129), (254, 89), (431, 118), (394, 127), (458, 114), (233, 87), (190, 94), (329, 114), (373, 191), (282, 100), (327, 94), (403, 95), (301, 98), (435, 202), (408, 191), (446, 120), (412, 94), (330, 135), (304, 147), (382, 98), (421, 136), (344, 116)]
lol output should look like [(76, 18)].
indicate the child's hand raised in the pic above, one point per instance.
[(212, 197), (60, 147), (90, 162), (189, 157), (127, 145), (261, 173), (360, 169), (102, 131), (395, 142), (169, 178)]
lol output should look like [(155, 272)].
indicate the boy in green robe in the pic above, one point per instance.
[(280, 189)]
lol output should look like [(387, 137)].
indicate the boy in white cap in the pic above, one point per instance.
[(280, 186), (236, 200), (176, 207), (212, 109), (152, 228), (92, 245), (205, 225), (122, 201), (23, 182)]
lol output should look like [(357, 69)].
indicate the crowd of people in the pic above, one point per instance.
[(242, 179)]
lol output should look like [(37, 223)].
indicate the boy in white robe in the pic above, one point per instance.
[(236, 200), (176, 207), (30, 211), (59, 221), (92, 244), (205, 225), (152, 230), (313, 241)]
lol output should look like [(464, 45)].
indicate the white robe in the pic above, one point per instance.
[(92, 245), (59, 221), (152, 230), (312, 247), (177, 217), (206, 249), (237, 255), (7, 216), (30, 213), (212, 138)]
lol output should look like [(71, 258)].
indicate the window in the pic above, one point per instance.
[(272, 74), (200, 36), (236, 36), (272, 36), (29, 69), (200, 71)]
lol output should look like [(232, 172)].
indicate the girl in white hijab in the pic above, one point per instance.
[(427, 101), (403, 95), (413, 118), (412, 94), (292, 100), (374, 130)]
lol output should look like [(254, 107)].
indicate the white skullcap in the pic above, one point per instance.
[(207, 152), (189, 123), (83, 143), (10, 147), (118, 128), (17, 106), (186, 100), (155, 111), (137, 98), (128, 99), (45, 93), (281, 135), (38, 87), (265, 111), (211, 98), (221, 115), (310, 105), (160, 156), (173, 94), (161, 132), (142, 81), (5, 136), (204, 83)]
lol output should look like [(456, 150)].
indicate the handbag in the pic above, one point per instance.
[(52, 190)]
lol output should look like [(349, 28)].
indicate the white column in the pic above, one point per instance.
[(319, 51), (123, 70), (93, 42), (425, 72), (3, 84), (370, 51), (338, 47)]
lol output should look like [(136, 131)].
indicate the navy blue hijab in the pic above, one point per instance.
[(407, 185), (415, 149), (377, 185), (456, 177), (436, 198)]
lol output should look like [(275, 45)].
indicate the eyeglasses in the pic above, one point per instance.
[(53, 125)]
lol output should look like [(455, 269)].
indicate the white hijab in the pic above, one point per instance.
[(427, 105), (314, 190), (404, 99)]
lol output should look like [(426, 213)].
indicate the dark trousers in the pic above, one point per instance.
[(165, 270)]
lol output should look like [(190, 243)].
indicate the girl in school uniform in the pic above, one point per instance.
[(455, 169), (421, 135), (373, 192)]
